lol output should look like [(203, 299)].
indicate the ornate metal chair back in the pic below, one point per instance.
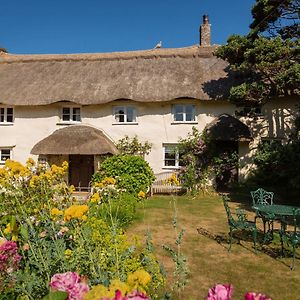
[(261, 196)]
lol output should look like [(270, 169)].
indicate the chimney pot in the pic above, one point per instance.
[(205, 32)]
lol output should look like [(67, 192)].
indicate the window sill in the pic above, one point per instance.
[(68, 123), (171, 168), (6, 124), (184, 122), (126, 123)]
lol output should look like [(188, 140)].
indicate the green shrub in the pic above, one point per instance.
[(133, 173)]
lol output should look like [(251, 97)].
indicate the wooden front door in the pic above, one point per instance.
[(81, 169)]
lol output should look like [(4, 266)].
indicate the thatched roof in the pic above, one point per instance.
[(75, 139), (228, 128), (145, 76)]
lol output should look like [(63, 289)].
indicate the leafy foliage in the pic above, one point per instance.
[(278, 166), (132, 173), (132, 146), (202, 157), (55, 234), (267, 59)]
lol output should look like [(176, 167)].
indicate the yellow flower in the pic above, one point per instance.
[(14, 238), (141, 194), (68, 253), (139, 278), (108, 181), (56, 212), (95, 198), (35, 210), (84, 218), (71, 188), (30, 162), (75, 212), (97, 292), (8, 229), (117, 284)]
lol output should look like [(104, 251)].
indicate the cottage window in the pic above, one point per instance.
[(125, 114), (4, 155), (172, 156), (184, 113), (71, 114), (6, 115)]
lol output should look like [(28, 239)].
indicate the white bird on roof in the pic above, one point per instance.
[(159, 45)]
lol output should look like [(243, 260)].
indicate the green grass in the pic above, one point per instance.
[(209, 261)]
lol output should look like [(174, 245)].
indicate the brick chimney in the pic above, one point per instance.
[(205, 32)]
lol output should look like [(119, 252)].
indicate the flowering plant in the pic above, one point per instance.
[(225, 291), (9, 262), (71, 283)]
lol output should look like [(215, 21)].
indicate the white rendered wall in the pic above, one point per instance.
[(32, 124)]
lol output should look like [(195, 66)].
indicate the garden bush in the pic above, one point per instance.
[(278, 166), (132, 173)]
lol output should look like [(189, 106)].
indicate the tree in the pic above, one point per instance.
[(267, 58)]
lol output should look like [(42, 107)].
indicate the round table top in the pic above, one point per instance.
[(276, 209)]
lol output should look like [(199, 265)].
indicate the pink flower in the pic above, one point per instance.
[(9, 257), (256, 296), (220, 292), (71, 283)]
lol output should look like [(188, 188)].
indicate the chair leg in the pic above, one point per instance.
[(294, 256)]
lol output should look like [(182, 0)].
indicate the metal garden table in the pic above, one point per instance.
[(275, 212)]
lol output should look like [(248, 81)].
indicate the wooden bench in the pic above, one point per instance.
[(166, 183)]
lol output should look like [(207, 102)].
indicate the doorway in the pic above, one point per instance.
[(81, 169)]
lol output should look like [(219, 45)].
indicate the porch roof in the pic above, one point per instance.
[(75, 139), (228, 128)]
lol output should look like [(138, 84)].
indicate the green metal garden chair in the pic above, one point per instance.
[(291, 237), (241, 223), (263, 197)]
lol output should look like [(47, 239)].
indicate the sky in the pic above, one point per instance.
[(94, 26)]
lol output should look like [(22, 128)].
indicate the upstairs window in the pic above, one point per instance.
[(6, 115), (125, 114), (184, 113), (172, 156), (4, 155), (71, 114)]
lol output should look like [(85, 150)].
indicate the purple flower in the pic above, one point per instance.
[(220, 292), (71, 283), (256, 296)]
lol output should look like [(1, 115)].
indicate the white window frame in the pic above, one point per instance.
[(2, 161), (71, 114), (5, 115), (169, 148), (125, 108), (184, 113)]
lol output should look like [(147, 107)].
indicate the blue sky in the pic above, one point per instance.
[(65, 26)]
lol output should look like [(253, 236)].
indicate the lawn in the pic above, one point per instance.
[(205, 244)]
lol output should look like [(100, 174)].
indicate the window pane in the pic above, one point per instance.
[(178, 113), (10, 111), (66, 114), (2, 114), (131, 114), (170, 156), (190, 113), (76, 114), (5, 154), (119, 114)]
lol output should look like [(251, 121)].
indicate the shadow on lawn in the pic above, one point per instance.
[(273, 251)]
